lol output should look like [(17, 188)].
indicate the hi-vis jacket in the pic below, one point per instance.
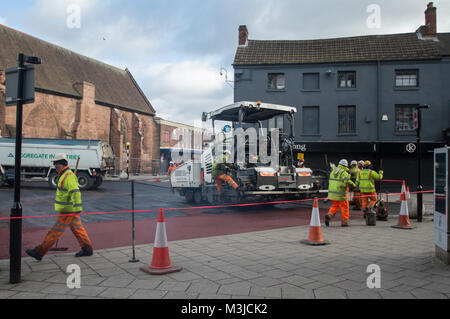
[(337, 186), (68, 195), (366, 180), (354, 171)]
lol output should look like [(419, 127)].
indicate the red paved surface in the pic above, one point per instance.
[(197, 223)]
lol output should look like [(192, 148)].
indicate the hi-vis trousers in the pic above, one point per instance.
[(227, 179), (340, 205), (368, 200), (77, 228)]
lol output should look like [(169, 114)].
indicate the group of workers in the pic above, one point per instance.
[(359, 179)]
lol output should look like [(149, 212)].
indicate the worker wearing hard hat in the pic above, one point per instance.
[(337, 192), (366, 183), (354, 171), (172, 167), (361, 165), (67, 205), (219, 172)]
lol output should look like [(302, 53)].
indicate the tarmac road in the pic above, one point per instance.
[(114, 230)]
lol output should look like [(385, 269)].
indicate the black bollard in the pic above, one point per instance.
[(133, 260)]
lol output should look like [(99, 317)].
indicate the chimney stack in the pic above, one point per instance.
[(243, 36), (430, 19), (429, 30)]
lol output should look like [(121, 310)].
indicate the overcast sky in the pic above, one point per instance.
[(176, 48)]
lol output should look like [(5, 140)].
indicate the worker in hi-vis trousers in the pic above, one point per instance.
[(366, 183), (67, 201), (337, 193), (354, 171), (219, 174)]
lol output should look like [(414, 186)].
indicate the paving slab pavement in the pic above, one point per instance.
[(263, 264)]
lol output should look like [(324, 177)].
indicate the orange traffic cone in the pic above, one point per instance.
[(408, 195), (161, 261), (315, 232), (403, 218)]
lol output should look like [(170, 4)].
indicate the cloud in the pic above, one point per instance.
[(182, 91), (175, 48), (2, 20)]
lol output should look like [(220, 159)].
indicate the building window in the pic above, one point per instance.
[(347, 119), (404, 118), (311, 122), (166, 137), (407, 78), (311, 81), (347, 79), (276, 81)]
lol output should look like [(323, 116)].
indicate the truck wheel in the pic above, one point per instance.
[(97, 182), (190, 196), (85, 181), (197, 197), (53, 180)]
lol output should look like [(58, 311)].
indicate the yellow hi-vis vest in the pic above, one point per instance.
[(68, 195), (366, 180), (337, 186)]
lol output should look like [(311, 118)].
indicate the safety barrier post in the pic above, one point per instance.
[(128, 158), (133, 260)]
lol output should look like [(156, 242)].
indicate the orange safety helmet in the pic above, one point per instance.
[(367, 163)]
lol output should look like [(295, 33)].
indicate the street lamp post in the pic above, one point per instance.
[(419, 181), (15, 235)]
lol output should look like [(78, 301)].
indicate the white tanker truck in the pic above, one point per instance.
[(283, 180), (96, 157)]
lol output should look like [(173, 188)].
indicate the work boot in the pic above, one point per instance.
[(327, 220), (84, 252), (344, 224), (33, 253)]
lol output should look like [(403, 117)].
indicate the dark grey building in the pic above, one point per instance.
[(355, 96)]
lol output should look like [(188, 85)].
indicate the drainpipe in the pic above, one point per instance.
[(378, 113), (110, 125), (377, 154)]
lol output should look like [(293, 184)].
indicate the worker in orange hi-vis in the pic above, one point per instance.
[(67, 202), (219, 174), (169, 171), (338, 194)]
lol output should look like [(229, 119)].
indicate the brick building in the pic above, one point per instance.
[(77, 97), (178, 142)]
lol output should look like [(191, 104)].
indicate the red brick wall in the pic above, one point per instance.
[(52, 116)]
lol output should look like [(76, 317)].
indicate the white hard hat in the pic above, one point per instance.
[(343, 162), (171, 162), (354, 162), (361, 163), (60, 157)]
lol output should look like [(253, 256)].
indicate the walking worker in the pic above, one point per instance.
[(354, 171), (337, 192), (366, 183), (67, 201), (219, 174)]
